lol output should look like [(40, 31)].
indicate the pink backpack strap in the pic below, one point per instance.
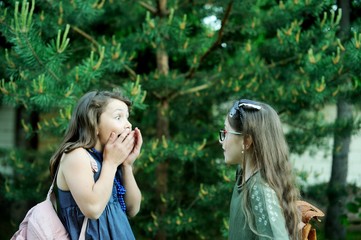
[(52, 198), (93, 163), (50, 194)]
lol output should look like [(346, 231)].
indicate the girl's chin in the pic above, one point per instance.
[(227, 161), (231, 161)]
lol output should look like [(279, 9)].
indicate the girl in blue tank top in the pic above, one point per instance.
[(95, 168)]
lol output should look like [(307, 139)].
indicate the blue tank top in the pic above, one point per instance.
[(113, 222)]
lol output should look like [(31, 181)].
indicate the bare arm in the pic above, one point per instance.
[(76, 175), (91, 197), (133, 195)]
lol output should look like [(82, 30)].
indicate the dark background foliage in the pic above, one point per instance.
[(181, 74)]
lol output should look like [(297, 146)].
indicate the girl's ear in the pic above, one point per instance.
[(248, 141)]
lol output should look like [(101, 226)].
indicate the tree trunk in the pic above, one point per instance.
[(162, 168), (162, 129), (336, 193), (334, 228)]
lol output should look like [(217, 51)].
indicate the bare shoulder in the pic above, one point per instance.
[(79, 157), (74, 166)]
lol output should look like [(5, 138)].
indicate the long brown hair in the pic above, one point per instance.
[(81, 131), (270, 153)]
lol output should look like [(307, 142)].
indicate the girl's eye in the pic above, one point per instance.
[(117, 117)]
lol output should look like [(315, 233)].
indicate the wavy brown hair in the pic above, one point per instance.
[(81, 131), (271, 156)]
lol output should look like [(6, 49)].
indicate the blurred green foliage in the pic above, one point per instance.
[(181, 74)]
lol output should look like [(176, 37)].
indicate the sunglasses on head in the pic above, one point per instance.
[(245, 105)]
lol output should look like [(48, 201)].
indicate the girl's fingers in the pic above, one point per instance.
[(128, 141), (123, 136), (139, 139), (112, 138)]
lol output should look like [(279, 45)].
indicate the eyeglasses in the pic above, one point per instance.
[(244, 104), (223, 132)]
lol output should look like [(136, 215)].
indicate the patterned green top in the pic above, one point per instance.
[(268, 219)]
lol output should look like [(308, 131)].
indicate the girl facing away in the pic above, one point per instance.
[(93, 167), (263, 203)]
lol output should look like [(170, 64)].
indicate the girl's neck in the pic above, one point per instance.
[(249, 173), (250, 169)]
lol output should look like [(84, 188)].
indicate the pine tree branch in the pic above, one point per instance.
[(210, 83), (87, 36), (282, 62), (162, 8), (28, 44), (218, 41), (191, 90), (195, 89), (148, 7), (131, 72), (195, 200)]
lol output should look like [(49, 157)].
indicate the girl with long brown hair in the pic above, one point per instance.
[(93, 167), (263, 204)]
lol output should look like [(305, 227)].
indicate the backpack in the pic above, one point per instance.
[(42, 222), (308, 212)]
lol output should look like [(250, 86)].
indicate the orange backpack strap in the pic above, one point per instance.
[(308, 212)]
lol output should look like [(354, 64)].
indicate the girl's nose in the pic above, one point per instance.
[(128, 125)]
